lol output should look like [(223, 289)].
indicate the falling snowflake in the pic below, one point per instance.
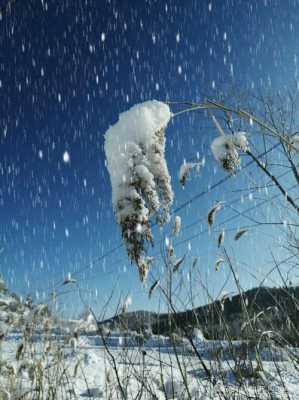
[(66, 157)]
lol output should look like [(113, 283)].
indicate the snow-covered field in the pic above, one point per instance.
[(88, 370)]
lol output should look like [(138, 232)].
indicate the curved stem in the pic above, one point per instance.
[(193, 108), (209, 104)]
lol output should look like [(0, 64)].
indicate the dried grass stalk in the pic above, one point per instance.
[(219, 261), (153, 288), (221, 239), (178, 263), (240, 233), (212, 213)]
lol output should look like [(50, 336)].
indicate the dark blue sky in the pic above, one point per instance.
[(67, 68)]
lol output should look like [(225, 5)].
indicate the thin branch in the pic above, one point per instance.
[(274, 179)]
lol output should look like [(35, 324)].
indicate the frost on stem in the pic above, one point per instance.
[(213, 211), (141, 185), (226, 149)]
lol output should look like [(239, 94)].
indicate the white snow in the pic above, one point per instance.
[(95, 377), (141, 185), (240, 140), (226, 148), (219, 146), (66, 157)]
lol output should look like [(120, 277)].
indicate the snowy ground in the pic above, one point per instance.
[(90, 372)]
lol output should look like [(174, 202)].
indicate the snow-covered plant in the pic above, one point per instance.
[(141, 184), (144, 266), (240, 141), (185, 169), (226, 148), (176, 229), (169, 249)]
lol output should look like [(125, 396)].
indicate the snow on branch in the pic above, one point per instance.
[(141, 184), (226, 150)]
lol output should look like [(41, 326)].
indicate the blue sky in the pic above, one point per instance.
[(67, 68)]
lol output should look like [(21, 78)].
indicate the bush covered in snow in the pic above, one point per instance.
[(141, 185)]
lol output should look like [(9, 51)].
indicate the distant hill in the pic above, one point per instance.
[(266, 308)]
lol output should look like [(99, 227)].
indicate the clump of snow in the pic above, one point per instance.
[(141, 185), (13, 313), (240, 141), (226, 148)]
